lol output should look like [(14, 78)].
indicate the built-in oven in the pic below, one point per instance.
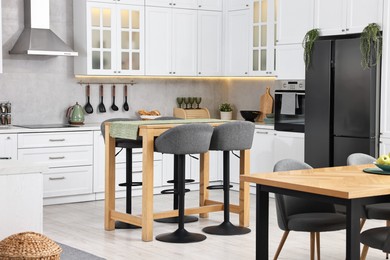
[(290, 106)]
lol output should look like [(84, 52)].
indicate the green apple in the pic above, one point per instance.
[(383, 159)]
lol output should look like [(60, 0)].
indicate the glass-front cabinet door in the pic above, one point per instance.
[(263, 37), (101, 38), (130, 37)]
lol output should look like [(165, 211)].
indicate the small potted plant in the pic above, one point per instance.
[(226, 110)]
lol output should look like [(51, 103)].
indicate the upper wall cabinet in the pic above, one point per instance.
[(188, 4), (334, 17), (263, 38), (211, 5), (295, 18), (109, 38), (237, 4), (1, 41), (171, 42)]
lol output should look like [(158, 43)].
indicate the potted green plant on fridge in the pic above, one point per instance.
[(226, 110)]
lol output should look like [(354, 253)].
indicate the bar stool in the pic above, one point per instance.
[(128, 145), (182, 140), (228, 137)]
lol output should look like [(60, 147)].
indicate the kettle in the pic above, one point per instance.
[(75, 114)]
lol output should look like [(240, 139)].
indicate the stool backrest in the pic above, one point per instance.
[(185, 139), (230, 136), (359, 158)]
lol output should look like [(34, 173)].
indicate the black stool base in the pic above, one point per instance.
[(226, 229), (180, 236), (123, 225), (187, 219)]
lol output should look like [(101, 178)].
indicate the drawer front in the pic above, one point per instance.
[(58, 157), (67, 181), (55, 139), (137, 155)]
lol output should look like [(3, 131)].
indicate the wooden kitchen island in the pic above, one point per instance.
[(149, 131)]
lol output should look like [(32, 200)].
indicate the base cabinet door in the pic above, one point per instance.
[(8, 147), (262, 151), (289, 145)]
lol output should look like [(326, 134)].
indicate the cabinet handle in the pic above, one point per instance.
[(170, 3), (57, 158), (347, 29), (137, 171), (5, 158), (200, 6), (260, 132), (56, 178), (246, 73), (8, 137), (173, 72), (170, 72), (57, 140), (200, 73), (343, 30), (119, 71), (174, 3)]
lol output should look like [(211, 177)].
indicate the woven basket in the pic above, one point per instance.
[(29, 245)]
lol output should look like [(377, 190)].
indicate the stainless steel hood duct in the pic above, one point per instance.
[(37, 38)]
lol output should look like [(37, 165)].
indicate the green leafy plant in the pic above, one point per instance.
[(370, 41), (225, 107), (308, 42)]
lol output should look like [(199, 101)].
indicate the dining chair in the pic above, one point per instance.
[(226, 138), (378, 238), (303, 215), (182, 140)]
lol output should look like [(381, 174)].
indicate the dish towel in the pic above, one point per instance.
[(288, 104)]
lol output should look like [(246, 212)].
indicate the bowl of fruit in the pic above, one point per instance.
[(383, 162)]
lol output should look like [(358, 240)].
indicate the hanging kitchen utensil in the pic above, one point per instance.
[(102, 108), (113, 106), (88, 107), (125, 105), (266, 105)]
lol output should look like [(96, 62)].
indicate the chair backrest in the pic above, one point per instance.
[(185, 139), (359, 158), (230, 136), (288, 205)]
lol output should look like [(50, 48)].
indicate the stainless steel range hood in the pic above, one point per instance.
[(37, 38)]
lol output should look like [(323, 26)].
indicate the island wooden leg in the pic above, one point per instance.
[(109, 195), (147, 187), (244, 188), (204, 181)]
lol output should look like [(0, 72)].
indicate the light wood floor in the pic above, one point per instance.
[(81, 225)]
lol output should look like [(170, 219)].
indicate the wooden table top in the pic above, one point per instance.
[(347, 182)]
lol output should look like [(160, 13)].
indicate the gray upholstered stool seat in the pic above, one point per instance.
[(299, 214), (129, 145), (182, 140), (378, 238), (228, 137)]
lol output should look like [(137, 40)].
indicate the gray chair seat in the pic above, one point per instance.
[(378, 211), (316, 222), (377, 238)]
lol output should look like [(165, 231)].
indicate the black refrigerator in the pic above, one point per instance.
[(342, 103)]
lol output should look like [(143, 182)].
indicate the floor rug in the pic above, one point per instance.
[(71, 253)]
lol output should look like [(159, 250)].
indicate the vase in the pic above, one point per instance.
[(226, 115)]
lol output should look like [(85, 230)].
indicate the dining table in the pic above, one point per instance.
[(344, 185), (148, 131)]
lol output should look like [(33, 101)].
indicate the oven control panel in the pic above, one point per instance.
[(292, 85)]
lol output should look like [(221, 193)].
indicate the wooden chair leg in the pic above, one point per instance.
[(364, 252), (318, 245), (281, 244), (362, 221), (312, 242)]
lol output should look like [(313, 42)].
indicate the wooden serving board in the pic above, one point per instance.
[(191, 113), (266, 104)]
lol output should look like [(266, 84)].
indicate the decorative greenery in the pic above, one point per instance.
[(225, 107), (371, 41), (308, 42)]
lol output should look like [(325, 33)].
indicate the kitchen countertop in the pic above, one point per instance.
[(11, 167)]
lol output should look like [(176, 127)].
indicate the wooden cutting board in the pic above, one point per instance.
[(266, 104)]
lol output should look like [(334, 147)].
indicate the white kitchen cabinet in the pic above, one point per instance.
[(384, 146), (237, 43), (295, 18), (209, 43), (233, 5), (8, 147), (263, 38), (69, 156), (214, 5), (262, 151), (334, 17), (1, 41), (171, 46), (289, 145), (109, 38), (385, 80), (187, 4), (132, 2), (289, 62)]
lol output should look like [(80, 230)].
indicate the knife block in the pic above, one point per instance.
[(191, 113)]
